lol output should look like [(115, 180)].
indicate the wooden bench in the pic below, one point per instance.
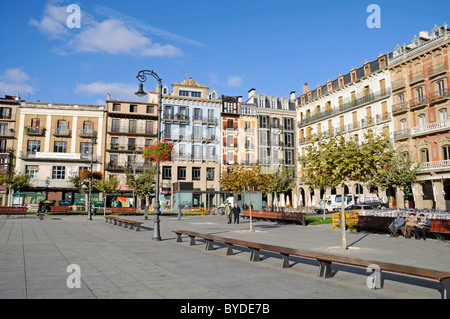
[(61, 209), (15, 211), (325, 260), (125, 222), (439, 227), (124, 210), (277, 216)]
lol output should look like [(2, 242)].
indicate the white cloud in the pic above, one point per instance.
[(53, 23), (118, 91), (233, 81), (16, 80), (112, 36)]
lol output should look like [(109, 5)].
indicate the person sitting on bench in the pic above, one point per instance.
[(396, 225), (424, 225)]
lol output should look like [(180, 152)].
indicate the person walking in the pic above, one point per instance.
[(228, 213), (40, 206), (236, 211)]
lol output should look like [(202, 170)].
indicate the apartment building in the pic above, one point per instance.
[(276, 129), (54, 142), (130, 127), (8, 109), (239, 139), (421, 103), (190, 119), (353, 104)]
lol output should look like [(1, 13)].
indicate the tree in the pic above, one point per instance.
[(84, 182), (143, 185), (244, 179), (332, 160), (108, 186), (14, 181)]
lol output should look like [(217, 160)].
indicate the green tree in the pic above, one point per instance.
[(107, 186), (244, 179), (143, 185), (332, 160), (14, 181)]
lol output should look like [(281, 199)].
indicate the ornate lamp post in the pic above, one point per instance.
[(142, 77)]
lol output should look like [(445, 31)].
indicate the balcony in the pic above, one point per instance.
[(402, 134), (35, 131), (55, 156), (418, 102), (126, 166), (431, 128), (437, 70), (5, 162), (400, 107), (175, 137), (416, 78), (437, 165), (87, 133), (205, 120), (114, 130), (399, 84), (125, 148), (438, 96), (180, 118), (5, 133), (61, 132)]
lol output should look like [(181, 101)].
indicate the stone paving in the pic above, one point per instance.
[(118, 263)]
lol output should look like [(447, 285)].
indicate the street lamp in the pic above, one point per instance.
[(142, 77)]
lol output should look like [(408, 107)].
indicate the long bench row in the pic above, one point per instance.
[(277, 216), (125, 222), (325, 260)]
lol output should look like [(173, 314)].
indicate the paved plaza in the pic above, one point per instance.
[(120, 263)]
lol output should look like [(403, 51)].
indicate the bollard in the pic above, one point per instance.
[(179, 213)]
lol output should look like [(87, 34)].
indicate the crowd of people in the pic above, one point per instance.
[(410, 225)]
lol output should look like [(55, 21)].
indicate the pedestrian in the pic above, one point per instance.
[(422, 226), (40, 206), (245, 206), (228, 212), (236, 211), (396, 225)]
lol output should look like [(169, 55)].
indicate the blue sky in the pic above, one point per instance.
[(231, 46)]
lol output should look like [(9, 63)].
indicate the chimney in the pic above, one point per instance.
[(293, 95), (251, 93), (305, 87), (108, 97), (239, 99)]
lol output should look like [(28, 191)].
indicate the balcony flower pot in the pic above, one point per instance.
[(160, 151)]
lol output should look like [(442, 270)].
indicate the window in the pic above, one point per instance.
[(196, 94), (88, 126), (3, 129), (131, 144), (33, 147), (443, 116), (275, 123), (182, 173), (59, 172), (403, 125), (113, 159), (5, 113), (184, 93), (424, 155), (196, 173), (32, 171), (116, 108), (133, 108), (115, 125), (149, 127), (86, 150), (419, 94), (150, 109), (440, 87), (114, 143), (35, 123), (60, 147), (446, 152), (132, 126), (167, 172), (210, 173), (422, 120), (197, 114)]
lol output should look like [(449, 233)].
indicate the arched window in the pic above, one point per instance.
[(424, 158)]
